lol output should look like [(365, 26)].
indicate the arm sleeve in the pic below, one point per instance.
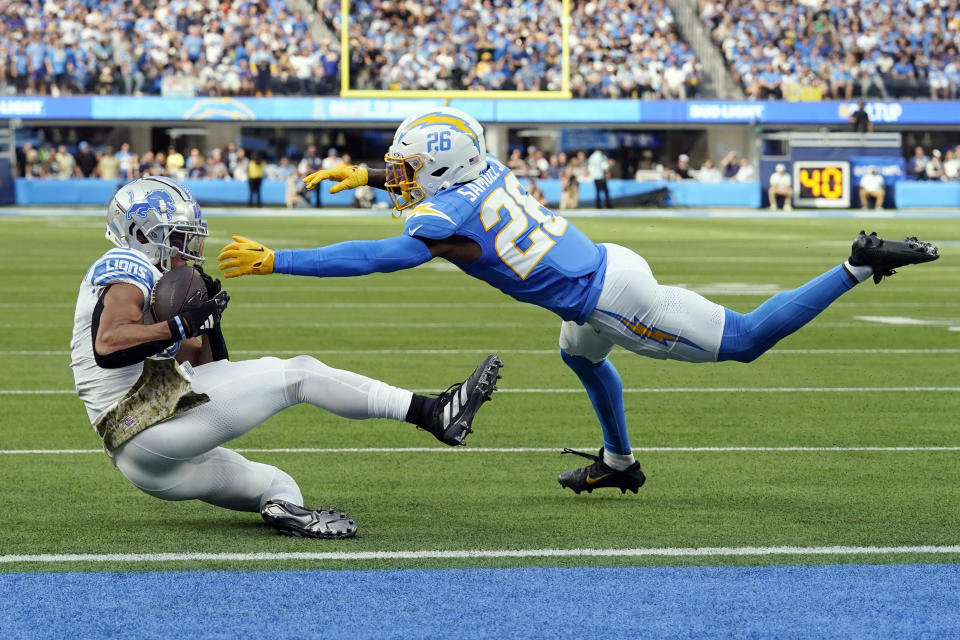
[(355, 258)]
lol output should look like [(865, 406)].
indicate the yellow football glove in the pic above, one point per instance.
[(244, 257), (348, 176)]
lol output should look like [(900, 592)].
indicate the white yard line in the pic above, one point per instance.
[(465, 450), (474, 554)]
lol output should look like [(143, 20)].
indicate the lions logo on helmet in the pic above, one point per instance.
[(159, 218), (433, 150)]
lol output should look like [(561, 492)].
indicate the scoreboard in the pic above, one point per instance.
[(821, 184)]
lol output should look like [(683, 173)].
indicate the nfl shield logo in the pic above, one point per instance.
[(129, 420)]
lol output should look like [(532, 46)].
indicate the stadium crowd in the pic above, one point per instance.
[(811, 49), (174, 47), (619, 48)]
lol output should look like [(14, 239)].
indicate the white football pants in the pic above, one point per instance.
[(643, 316), (181, 458)]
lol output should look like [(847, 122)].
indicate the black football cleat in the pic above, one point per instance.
[(883, 256), (293, 520), (599, 475), (455, 408)]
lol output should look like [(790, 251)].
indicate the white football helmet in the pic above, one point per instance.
[(432, 150), (159, 218)]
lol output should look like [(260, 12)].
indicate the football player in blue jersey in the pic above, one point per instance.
[(467, 207), (163, 396)]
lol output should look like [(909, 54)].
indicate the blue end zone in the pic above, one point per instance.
[(845, 601)]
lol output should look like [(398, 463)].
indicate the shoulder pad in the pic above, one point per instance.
[(124, 265), (429, 220)]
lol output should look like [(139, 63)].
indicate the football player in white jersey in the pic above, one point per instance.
[(164, 399)]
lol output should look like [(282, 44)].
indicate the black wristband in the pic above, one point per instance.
[(218, 346)]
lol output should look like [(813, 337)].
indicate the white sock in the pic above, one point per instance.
[(618, 461), (387, 401), (861, 273), (345, 393)]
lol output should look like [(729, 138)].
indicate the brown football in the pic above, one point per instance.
[(173, 290)]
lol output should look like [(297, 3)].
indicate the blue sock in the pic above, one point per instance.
[(746, 336), (603, 385)]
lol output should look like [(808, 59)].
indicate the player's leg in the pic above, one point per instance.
[(226, 479), (747, 336), (585, 350), (669, 322), (246, 393)]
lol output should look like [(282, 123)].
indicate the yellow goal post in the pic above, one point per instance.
[(347, 92)]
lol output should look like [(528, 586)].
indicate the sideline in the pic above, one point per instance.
[(700, 552)]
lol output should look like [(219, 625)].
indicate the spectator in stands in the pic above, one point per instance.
[(86, 161), (871, 186), (255, 170), (240, 166), (280, 171), (175, 163), (780, 192), (31, 167), (310, 163), (951, 165), (296, 191), (534, 190), (917, 167), (66, 164), (682, 172), (598, 166), (870, 76), (709, 173), (730, 165), (332, 160), (569, 190), (231, 157), (934, 167), (217, 166), (516, 163), (746, 172), (125, 161), (938, 81), (108, 167), (537, 164), (860, 119), (841, 78)]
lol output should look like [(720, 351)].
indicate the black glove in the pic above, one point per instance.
[(198, 317), (213, 286)]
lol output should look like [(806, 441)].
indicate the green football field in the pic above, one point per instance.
[(845, 435)]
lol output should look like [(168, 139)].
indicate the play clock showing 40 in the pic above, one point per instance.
[(821, 184)]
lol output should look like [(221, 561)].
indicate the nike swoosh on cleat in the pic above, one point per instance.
[(596, 479)]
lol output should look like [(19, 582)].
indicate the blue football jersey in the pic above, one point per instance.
[(527, 252)]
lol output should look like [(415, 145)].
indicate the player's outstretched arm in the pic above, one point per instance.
[(354, 258), (347, 176)]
